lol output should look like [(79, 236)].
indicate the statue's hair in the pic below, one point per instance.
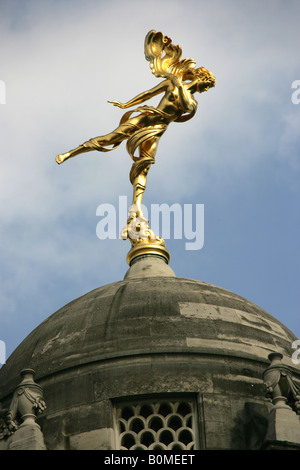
[(164, 59), (156, 44)]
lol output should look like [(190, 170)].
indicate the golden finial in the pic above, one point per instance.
[(181, 80)]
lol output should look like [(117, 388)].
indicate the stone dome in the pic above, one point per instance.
[(151, 334)]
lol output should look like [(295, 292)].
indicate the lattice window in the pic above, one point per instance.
[(156, 425)]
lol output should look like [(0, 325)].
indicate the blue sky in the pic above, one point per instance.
[(239, 156)]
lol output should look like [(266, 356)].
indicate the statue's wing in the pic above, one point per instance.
[(161, 53), (165, 58)]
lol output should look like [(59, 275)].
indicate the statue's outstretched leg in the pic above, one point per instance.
[(98, 143)]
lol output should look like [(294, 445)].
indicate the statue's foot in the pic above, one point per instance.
[(135, 212), (140, 216), (61, 158)]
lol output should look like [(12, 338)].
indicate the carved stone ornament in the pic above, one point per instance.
[(27, 402), (280, 386)]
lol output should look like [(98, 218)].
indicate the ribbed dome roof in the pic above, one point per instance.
[(150, 311)]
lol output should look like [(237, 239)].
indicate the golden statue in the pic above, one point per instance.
[(181, 81)]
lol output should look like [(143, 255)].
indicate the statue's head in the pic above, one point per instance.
[(206, 79), (200, 79)]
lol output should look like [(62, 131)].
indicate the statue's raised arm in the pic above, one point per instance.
[(181, 80)]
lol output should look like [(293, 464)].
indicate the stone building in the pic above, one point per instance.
[(154, 362)]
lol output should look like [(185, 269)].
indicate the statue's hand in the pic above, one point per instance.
[(117, 103)]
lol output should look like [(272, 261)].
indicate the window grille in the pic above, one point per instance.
[(156, 425)]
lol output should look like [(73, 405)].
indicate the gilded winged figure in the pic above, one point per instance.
[(181, 80)]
